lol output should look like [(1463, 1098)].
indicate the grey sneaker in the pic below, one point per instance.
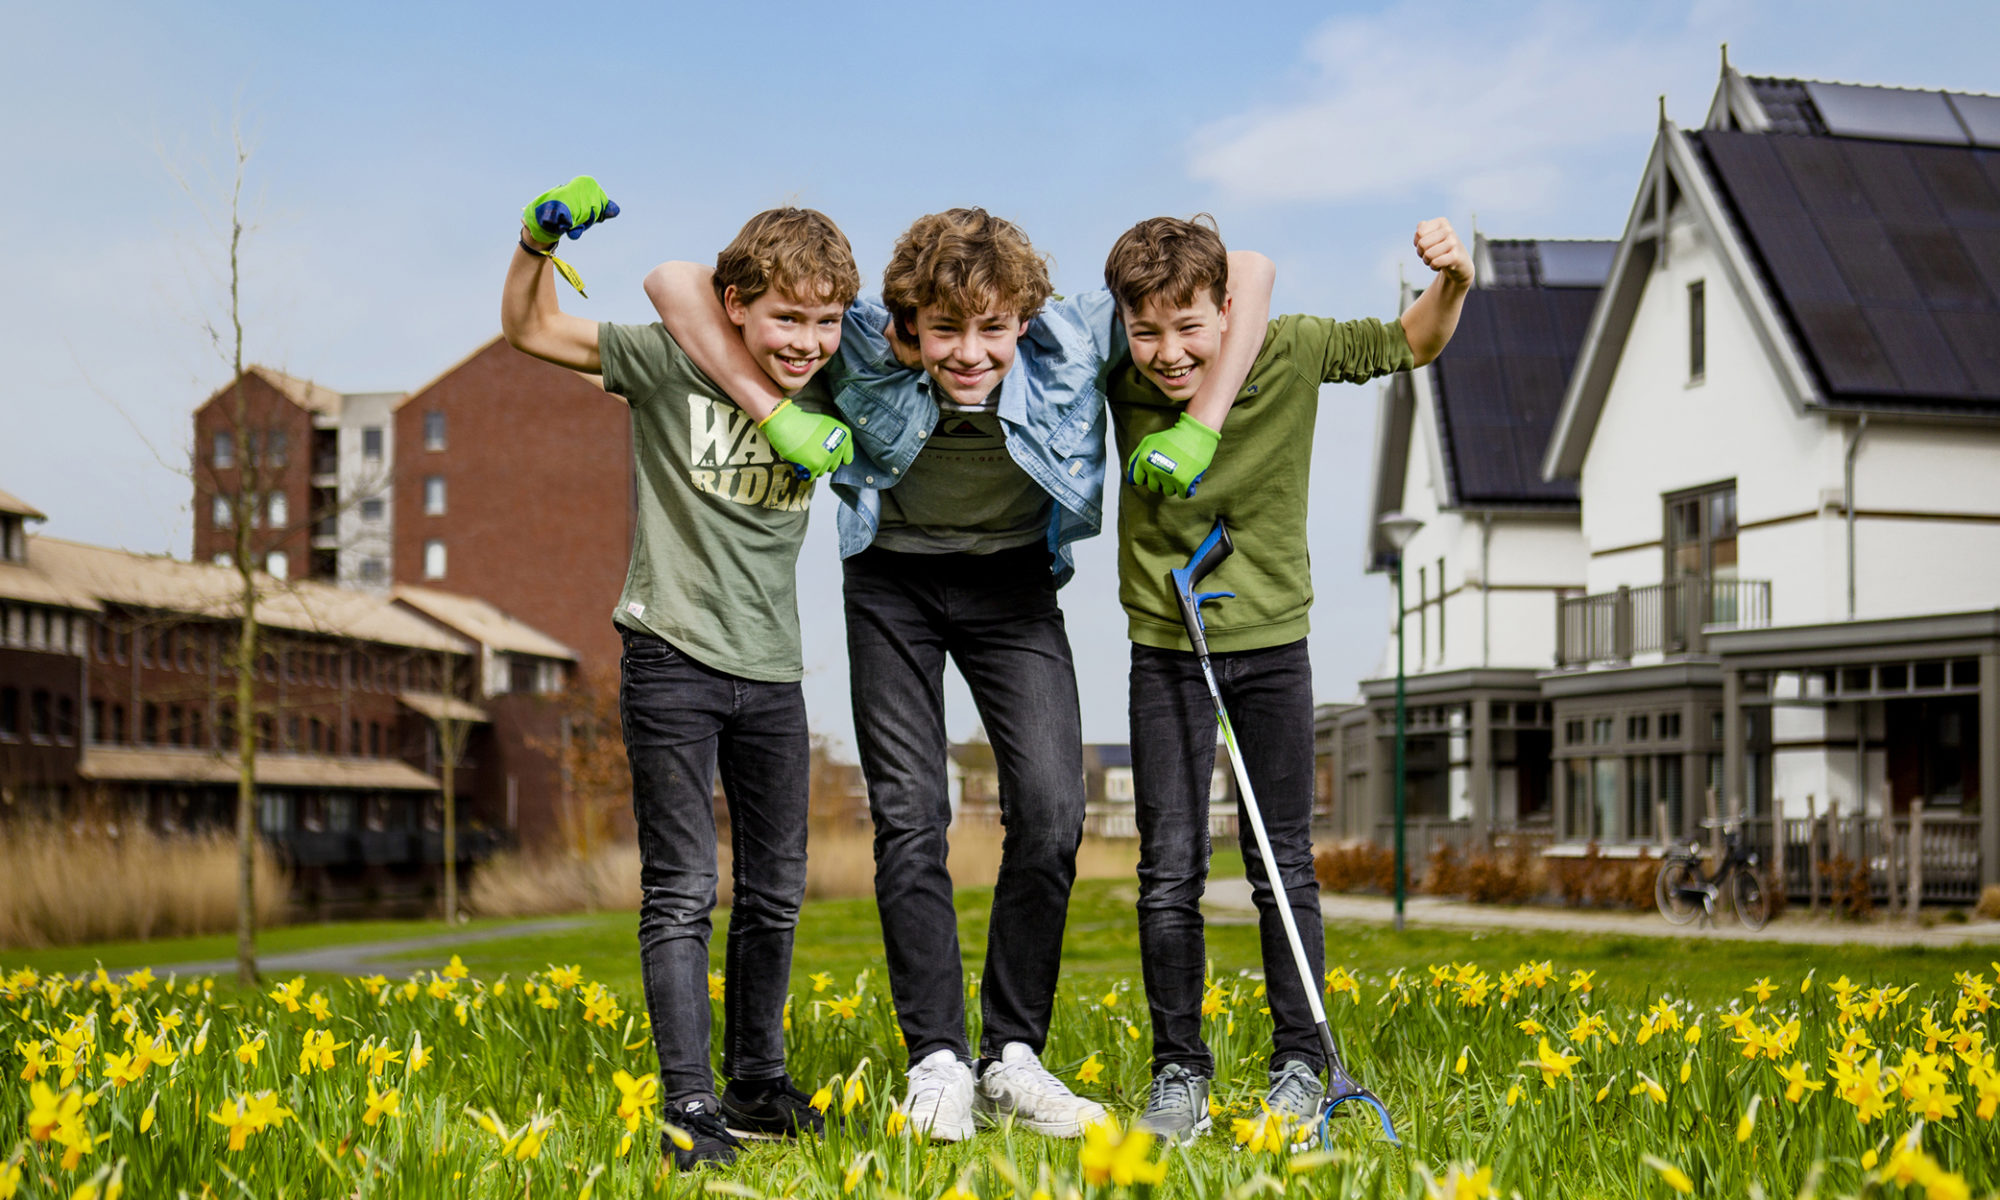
[(1296, 1092), (1177, 1106)]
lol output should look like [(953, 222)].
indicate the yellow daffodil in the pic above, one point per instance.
[(1091, 1070), (1749, 1119), (1676, 1178), (382, 1104), (1650, 1087), (456, 969), (247, 1115), (820, 981), (1119, 1157), (288, 993), (247, 1052), (1553, 1064), (1109, 999), (1458, 1068), (1763, 989), (565, 977), (896, 1122)]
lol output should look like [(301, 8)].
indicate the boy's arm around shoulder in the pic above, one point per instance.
[(685, 298), (1249, 298)]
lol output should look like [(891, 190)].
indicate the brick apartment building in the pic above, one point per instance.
[(504, 478), (117, 699)]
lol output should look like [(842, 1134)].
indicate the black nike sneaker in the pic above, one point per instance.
[(770, 1108), (709, 1140)]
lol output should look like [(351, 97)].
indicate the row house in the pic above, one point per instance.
[(505, 478), (118, 703), (1783, 431)]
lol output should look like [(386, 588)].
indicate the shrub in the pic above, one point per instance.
[(1356, 866), (1443, 876), (1513, 877), (1989, 902), (64, 884), (1849, 887)]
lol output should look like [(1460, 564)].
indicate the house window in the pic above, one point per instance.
[(1701, 533), (1572, 733), (1635, 729), (520, 674), (1440, 608), (434, 430), (372, 509), (1600, 731), (434, 496), (277, 446), (371, 570), (277, 510), (10, 712), (277, 564), (371, 443), (222, 512), (1670, 727), (224, 559), (223, 452), (1697, 332), (434, 559)]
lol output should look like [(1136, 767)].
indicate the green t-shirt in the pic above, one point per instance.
[(964, 493), (1257, 482), (719, 520)]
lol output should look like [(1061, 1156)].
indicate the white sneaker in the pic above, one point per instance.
[(1019, 1086), (939, 1101)]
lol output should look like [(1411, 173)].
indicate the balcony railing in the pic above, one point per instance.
[(1665, 618)]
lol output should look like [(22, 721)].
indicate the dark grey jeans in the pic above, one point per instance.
[(995, 616), (1174, 749), (683, 720)]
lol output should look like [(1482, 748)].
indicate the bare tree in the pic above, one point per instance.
[(454, 729)]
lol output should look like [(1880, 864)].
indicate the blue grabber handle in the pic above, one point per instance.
[(1207, 556)]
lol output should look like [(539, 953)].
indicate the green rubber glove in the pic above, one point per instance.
[(571, 209), (1172, 461), (812, 442)]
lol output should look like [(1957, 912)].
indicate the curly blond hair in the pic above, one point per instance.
[(1170, 258), (798, 251), (966, 261)]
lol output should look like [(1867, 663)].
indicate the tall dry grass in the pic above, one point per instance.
[(840, 864), (60, 885)]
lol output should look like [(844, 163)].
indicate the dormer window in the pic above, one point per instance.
[(13, 539)]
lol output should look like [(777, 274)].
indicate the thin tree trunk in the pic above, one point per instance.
[(244, 506)]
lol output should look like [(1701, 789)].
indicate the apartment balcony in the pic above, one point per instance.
[(1669, 619)]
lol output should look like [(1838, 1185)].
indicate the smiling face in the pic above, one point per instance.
[(790, 338), (967, 356), (1173, 344)]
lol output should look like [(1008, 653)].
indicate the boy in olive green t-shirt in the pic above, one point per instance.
[(1170, 279), (709, 617)]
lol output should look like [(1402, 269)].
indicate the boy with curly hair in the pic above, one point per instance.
[(711, 666), (971, 478), (1170, 278)]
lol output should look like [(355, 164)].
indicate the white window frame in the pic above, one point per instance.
[(434, 559)]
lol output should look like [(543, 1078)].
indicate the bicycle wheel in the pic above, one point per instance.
[(1670, 890), (1753, 905)]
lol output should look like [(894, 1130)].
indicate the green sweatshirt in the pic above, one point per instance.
[(1257, 482)]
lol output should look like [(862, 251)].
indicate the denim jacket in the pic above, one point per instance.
[(1051, 413)]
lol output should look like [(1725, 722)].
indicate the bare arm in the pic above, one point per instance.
[(1433, 318), (1250, 277), (684, 297), (533, 322)]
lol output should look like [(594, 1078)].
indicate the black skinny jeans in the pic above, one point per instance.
[(1174, 748), (996, 616), (682, 720)]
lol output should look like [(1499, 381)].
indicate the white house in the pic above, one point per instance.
[(1459, 445), (1784, 428)]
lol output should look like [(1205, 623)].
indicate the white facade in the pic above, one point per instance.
[(367, 455)]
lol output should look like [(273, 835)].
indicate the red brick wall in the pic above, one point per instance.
[(268, 410), (538, 483)]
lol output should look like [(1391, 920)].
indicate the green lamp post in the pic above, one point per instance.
[(1397, 529)]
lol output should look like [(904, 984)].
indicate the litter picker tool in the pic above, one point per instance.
[(1340, 1086)]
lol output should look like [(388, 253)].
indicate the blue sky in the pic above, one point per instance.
[(394, 146)]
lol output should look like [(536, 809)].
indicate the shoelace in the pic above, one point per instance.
[(706, 1124), (927, 1078), (1293, 1090), (1171, 1093), (1044, 1078)]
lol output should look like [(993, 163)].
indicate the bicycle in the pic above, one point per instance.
[(1683, 892)]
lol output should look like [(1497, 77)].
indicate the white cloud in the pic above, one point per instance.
[(1483, 104)]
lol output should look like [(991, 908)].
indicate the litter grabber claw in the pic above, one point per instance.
[(1340, 1086)]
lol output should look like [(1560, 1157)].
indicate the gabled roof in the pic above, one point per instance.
[(1494, 393), (482, 622), (200, 589), (1860, 227), (303, 392), (15, 506)]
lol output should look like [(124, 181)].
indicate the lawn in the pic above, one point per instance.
[(1623, 1067)]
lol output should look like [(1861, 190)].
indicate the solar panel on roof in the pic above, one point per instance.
[(1896, 114), (1980, 116), (1576, 264)]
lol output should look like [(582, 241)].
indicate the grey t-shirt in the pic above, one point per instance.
[(964, 494), (720, 516)]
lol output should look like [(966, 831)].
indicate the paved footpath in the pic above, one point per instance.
[(1229, 899), (366, 958)]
